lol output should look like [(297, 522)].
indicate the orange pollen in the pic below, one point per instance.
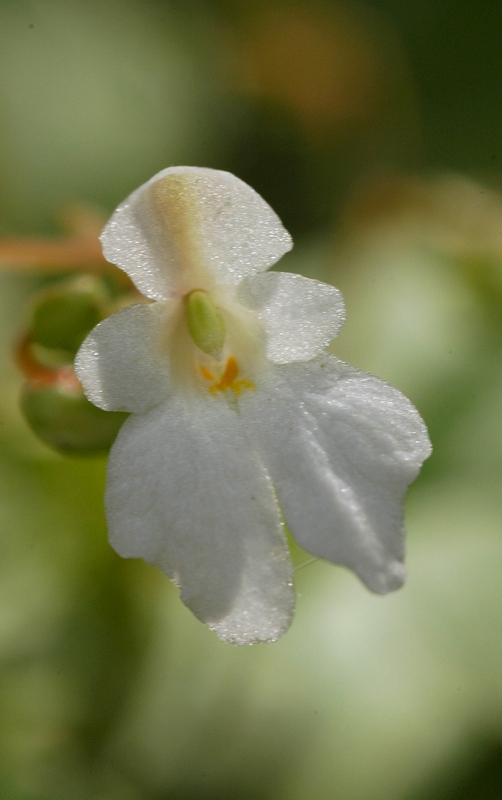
[(228, 380)]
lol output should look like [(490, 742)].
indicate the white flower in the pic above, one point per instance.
[(237, 413)]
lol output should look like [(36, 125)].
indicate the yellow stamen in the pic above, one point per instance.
[(230, 374), (228, 380), (206, 374)]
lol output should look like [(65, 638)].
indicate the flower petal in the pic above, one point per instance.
[(120, 363), (186, 493), (300, 315), (187, 219), (341, 447)]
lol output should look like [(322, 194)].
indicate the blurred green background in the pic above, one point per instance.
[(374, 130)]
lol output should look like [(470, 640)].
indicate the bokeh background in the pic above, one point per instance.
[(374, 130)]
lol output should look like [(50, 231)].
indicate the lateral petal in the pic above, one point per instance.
[(341, 446), (190, 222), (300, 315), (186, 494), (121, 365)]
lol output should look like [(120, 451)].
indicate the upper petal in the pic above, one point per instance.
[(186, 493), (300, 315), (187, 221), (120, 364), (341, 447)]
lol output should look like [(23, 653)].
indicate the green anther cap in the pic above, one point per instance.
[(205, 323)]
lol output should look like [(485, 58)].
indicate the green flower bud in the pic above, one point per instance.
[(63, 418), (65, 313), (205, 323)]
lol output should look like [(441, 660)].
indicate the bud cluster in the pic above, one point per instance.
[(52, 399)]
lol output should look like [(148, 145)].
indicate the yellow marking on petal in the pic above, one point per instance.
[(175, 201), (229, 378), (205, 373)]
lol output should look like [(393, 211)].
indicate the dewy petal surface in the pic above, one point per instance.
[(121, 365), (341, 447), (190, 217), (186, 493), (300, 315)]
